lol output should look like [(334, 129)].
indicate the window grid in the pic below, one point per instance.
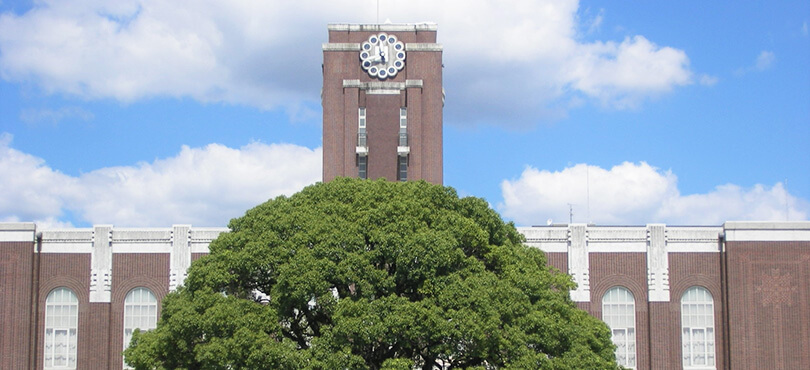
[(403, 168), (361, 120), (403, 127), (403, 118), (362, 167), (361, 127), (140, 312), (697, 328), (61, 326), (619, 312)]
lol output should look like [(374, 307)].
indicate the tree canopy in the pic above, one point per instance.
[(358, 274)]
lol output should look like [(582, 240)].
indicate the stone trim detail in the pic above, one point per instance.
[(341, 46), (372, 86), (578, 262), (657, 263), (423, 46), (101, 264), (180, 259), (766, 231), (355, 46), (17, 232), (402, 27)]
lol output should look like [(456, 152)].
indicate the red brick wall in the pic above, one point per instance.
[(685, 271), (71, 270), (558, 260), (427, 66), (382, 115), (630, 271), (769, 304), (16, 279)]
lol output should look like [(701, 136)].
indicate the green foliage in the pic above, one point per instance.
[(373, 275)]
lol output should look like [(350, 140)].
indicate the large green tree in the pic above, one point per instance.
[(356, 274)]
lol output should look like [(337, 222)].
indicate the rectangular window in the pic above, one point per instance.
[(361, 127), (403, 168), (403, 126), (403, 118), (362, 166)]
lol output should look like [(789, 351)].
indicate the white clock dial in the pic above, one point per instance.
[(382, 56)]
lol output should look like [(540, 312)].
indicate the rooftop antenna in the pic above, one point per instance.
[(588, 190), (787, 206), (378, 11), (570, 213)]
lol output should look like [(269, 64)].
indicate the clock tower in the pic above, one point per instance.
[(382, 102)]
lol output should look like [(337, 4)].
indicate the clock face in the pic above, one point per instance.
[(382, 56)]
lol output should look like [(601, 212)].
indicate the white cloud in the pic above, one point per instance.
[(622, 74), (595, 24), (708, 80), (764, 60), (200, 186), (638, 194), (29, 189), (528, 55), (55, 116)]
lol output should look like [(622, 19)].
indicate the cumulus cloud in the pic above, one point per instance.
[(622, 74), (529, 56), (201, 186), (29, 189), (637, 193)]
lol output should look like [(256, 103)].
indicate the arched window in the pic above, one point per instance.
[(61, 326), (140, 312), (619, 312), (697, 328)]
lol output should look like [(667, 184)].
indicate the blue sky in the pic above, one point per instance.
[(149, 113)]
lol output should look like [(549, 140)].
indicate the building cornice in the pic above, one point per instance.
[(387, 27)]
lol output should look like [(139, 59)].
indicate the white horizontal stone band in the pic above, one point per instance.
[(383, 27), (394, 87), (423, 47), (354, 46)]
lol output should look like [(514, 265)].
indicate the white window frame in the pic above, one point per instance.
[(403, 118), (361, 119), (403, 127), (619, 313), (697, 329), (61, 329), (140, 312)]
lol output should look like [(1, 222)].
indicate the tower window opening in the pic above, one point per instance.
[(403, 168), (362, 166)]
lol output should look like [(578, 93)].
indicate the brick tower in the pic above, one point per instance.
[(382, 102)]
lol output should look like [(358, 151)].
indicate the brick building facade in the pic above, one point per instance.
[(735, 296)]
